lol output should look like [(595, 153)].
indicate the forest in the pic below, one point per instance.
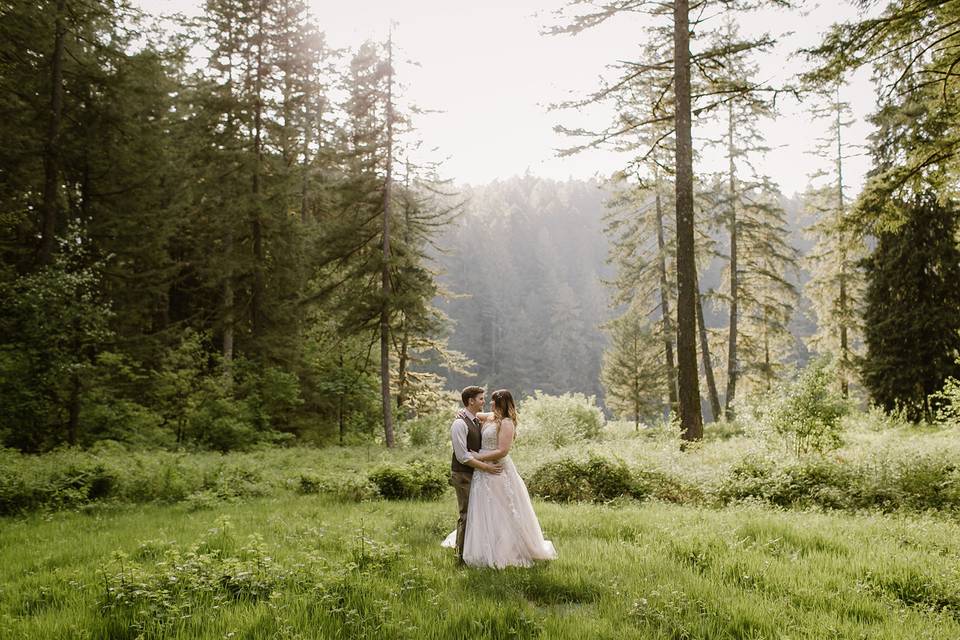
[(220, 231), (240, 294)]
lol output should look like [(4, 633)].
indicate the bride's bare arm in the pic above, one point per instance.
[(483, 416), (504, 442)]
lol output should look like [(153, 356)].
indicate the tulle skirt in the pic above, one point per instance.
[(502, 529)]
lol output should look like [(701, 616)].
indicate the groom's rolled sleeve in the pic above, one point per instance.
[(458, 434)]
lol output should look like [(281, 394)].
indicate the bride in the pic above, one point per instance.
[(502, 529)]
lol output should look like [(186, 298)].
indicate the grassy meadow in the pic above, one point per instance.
[(291, 543)]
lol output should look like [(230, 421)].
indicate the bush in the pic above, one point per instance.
[(593, 480), (807, 413), (351, 488), (414, 480), (429, 430), (560, 420), (947, 403)]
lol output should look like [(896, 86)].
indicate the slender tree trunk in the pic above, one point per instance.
[(705, 358), (51, 151), (767, 368), (341, 423), (73, 426), (691, 422), (256, 303), (305, 169), (73, 406), (732, 364), (228, 311), (844, 347), (385, 275), (403, 356), (402, 365), (665, 301)]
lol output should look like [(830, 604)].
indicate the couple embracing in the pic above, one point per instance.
[(497, 526)]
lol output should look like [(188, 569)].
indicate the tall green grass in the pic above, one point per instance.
[(879, 466), (305, 567)]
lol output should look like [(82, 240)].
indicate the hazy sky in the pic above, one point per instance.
[(486, 66)]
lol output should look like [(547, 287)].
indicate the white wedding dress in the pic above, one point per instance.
[(502, 529)]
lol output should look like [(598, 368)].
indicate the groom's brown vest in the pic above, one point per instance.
[(474, 440)]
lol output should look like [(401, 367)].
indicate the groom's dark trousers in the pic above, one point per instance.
[(461, 486)]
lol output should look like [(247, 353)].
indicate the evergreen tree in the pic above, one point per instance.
[(914, 49), (758, 296), (912, 328), (632, 371), (679, 84), (836, 283)]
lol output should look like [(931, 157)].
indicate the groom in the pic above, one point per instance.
[(465, 437)]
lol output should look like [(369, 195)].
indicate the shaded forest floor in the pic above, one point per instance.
[(307, 567)]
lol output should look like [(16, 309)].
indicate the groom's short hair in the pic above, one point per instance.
[(469, 393)]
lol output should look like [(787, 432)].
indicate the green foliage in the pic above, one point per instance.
[(416, 480), (431, 430), (54, 323), (947, 401), (559, 420), (913, 292), (348, 488), (633, 371), (216, 571), (807, 412), (595, 479)]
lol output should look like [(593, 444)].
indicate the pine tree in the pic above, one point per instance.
[(679, 85), (912, 328), (914, 50), (836, 283), (632, 371), (758, 295)]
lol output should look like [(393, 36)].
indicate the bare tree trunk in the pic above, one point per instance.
[(256, 303), (691, 422), (767, 368), (228, 315), (385, 275), (341, 423), (73, 407), (402, 366), (732, 365), (665, 302), (305, 168), (705, 358), (844, 346), (51, 151), (403, 356)]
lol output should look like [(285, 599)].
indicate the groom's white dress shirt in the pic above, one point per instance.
[(458, 434)]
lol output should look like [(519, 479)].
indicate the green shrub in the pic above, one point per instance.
[(414, 480), (355, 488), (559, 420), (947, 403), (429, 430), (593, 480), (310, 483), (807, 412)]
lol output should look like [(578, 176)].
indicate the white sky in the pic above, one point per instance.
[(485, 65)]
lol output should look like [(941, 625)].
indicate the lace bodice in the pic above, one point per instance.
[(488, 436)]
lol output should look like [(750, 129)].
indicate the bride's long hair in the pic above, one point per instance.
[(504, 407)]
